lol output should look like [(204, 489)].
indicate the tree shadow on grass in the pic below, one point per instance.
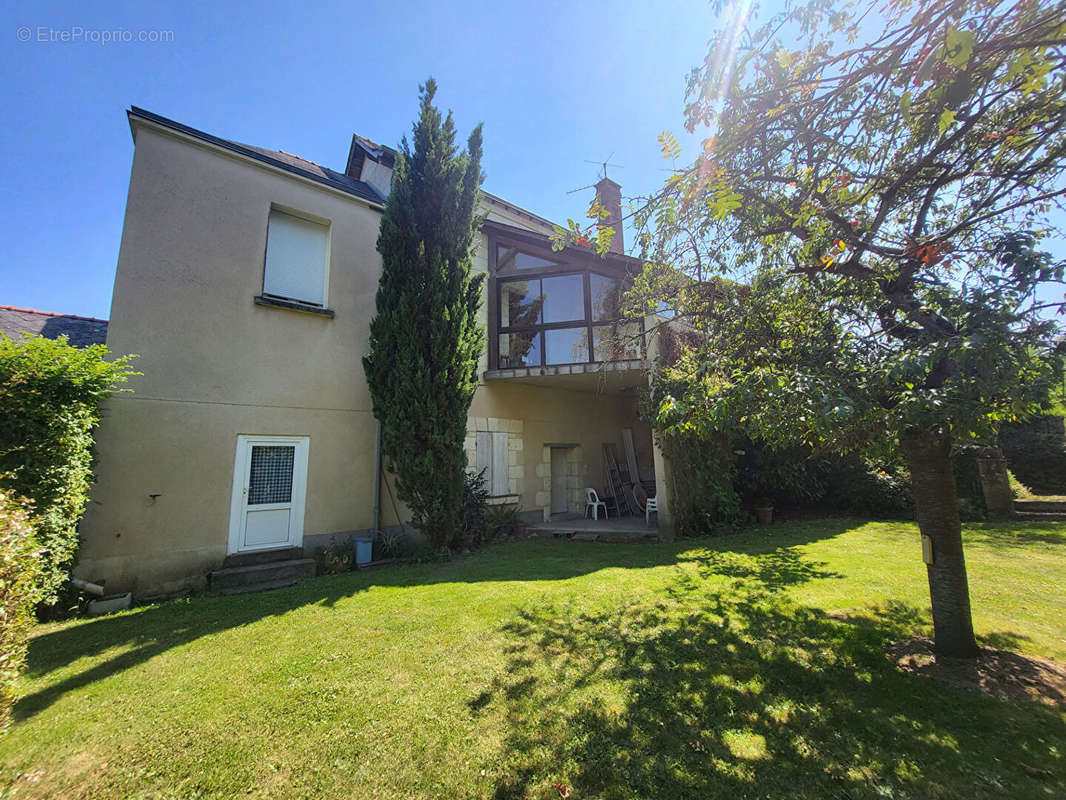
[(731, 690), (150, 631), (1017, 533)]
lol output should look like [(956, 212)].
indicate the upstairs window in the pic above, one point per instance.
[(560, 316), (297, 257)]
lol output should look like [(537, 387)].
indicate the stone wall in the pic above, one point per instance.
[(515, 446)]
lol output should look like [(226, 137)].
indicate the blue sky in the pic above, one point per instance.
[(555, 83)]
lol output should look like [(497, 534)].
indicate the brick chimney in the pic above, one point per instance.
[(609, 195)]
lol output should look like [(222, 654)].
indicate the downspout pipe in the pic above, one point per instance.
[(377, 482)]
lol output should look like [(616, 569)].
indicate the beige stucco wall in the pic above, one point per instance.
[(560, 416), (217, 366)]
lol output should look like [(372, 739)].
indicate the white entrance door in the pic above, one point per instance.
[(269, 485)]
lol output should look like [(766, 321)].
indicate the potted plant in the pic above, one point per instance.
[(764, 510)]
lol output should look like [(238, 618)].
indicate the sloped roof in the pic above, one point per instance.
[(375, 149), (80, 331), (361, 148), (276, 158), (310, 168)]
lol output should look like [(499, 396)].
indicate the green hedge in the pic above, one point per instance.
[(702, 497), (50, 396), (798, 478), (19, 592), (715, 479), (1036, 453)]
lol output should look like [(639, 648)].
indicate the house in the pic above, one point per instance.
[(246, 282), (17, 323)]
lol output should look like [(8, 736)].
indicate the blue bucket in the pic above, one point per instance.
[(364, 548)]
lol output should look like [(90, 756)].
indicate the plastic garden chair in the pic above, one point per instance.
[(649, 504), (592, 500)]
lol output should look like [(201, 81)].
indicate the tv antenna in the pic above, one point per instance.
[(603, 165)]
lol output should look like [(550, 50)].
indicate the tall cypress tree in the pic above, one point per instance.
[(425, 339)]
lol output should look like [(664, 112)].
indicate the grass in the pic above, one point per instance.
[(1019, 489), (744, 666)]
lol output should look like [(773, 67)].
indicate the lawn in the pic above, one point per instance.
[(744, 666)]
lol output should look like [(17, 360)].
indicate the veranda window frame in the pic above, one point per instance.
[(565, 266)]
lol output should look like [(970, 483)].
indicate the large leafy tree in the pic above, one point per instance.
[(879, 177), (425, 338)]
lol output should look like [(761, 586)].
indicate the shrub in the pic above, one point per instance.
[(50, 396), (1036, 453), (787, 477), (504, 520), (337, 557), (702, 497), (473, 523), (1019, 489), (796, 477), (869, 489), (395, 543), (19, 591)]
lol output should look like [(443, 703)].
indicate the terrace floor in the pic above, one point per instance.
[(571, 525)]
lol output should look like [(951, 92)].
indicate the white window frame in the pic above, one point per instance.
[(492, 451), (307, 218)]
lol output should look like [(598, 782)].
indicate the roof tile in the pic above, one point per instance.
[(80, 331)]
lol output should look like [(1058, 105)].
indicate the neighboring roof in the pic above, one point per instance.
[(276, 158), (499, 201), (80, 331)]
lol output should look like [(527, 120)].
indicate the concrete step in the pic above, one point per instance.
[(1041, 516), (628, 537), (616, 537), (1041, 505), (262, 557), (260, 577)]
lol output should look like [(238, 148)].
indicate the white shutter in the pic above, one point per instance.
[(499, 484), (484, 456), (492, 457), (296, 255)]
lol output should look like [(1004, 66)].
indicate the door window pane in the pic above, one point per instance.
[(564, 298), (566, 346), (519, 350), (605, 297), (520, 304), (270, 475), (618, 342)]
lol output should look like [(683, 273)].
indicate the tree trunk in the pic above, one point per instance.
[(928, 456)]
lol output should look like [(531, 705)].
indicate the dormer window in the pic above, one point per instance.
[(551, 312)]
